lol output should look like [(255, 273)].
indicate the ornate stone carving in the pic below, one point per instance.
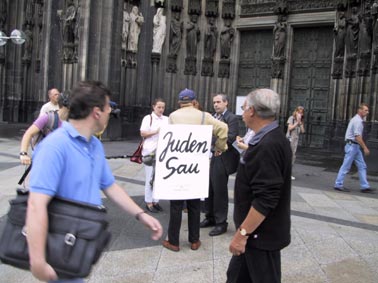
[(155, 58), (159, 31), (228, 9), (192, 38), (171, 63), (256, 7), (350, 68), (131, 60), (278, 65), (175, 33), (374, 13), (364, 64), (351, 39), (175, 37), (207, 67), (212, 8), (190, 66), (194, 7), (176, 5), (69, 24), (29, 12), (224, 68), (340, 32), (136, 21), (226, 39), (38, 41), (338, 64), (279, 32), (28, 46), (125, 28)]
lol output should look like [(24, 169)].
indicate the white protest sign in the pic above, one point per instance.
[(182, 162)]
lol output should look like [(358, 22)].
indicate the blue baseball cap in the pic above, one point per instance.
[(187, 95)]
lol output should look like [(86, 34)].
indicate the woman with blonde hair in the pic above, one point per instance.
[(295, 127)]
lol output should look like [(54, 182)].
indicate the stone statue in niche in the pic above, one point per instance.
[(77, 31), (211, 37), (69, 23), (226, 39), (125, 27), (364, 38), (279, 32), (159, 31), (136, 21), (339, 31), (28, 46), (192, 36), (3, 14), (175, 35), (351, 39), (374, 12)]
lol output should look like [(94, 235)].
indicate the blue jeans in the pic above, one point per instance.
[(352, 153)]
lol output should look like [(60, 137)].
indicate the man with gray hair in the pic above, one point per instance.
[(262, 195)]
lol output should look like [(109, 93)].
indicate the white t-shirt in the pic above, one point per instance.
[(150, 143), (47, 107)]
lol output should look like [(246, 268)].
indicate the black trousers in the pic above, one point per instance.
[(217, 202), (255, 266), (194, 214)]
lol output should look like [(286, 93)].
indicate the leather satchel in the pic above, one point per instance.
[(76, 238)]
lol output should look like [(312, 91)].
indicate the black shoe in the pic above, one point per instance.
[(157, 207), (368, 191), (218, 230), (151, 209), (345, 190), (207, 223)]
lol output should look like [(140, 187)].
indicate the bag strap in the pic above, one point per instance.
[(150, 120), (203, 118), (22, 179)]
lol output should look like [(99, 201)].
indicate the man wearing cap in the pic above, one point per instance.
[(188, 114), (220, 168)]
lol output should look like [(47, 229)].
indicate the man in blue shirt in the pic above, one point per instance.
[(71, 163), (353, 146)]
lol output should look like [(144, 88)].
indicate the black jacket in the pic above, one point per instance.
[(264, 182), (230, 157)]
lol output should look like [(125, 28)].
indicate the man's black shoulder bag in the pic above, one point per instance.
[(76, 238)]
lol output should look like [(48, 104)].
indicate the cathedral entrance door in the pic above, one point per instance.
[(310, 78)]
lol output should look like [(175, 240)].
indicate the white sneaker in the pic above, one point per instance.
[(292, 178)]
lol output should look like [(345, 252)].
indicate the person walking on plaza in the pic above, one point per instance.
[(45, 123), (262, 195), (354, 145), (149, 130), (295, 127), (189, 114), (52, 105), (216, 205), (77, 170)]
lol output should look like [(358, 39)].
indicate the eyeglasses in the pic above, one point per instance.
[(244, 108)]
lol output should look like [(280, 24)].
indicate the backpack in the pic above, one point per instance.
[(51, 125)]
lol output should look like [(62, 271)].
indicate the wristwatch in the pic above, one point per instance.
[(243, 232)]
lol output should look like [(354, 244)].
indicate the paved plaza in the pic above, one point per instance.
[(334, 235)]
